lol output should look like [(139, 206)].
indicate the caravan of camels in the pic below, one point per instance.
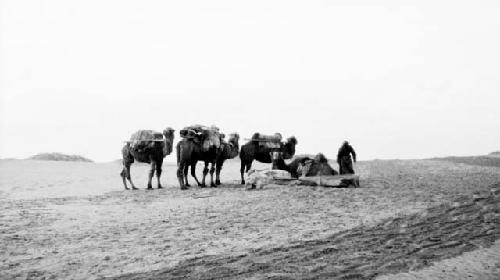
[(209, 145)]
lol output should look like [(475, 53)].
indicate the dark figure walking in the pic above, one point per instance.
[(344, 158)]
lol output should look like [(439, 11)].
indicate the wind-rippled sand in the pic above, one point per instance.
[(65, 220)]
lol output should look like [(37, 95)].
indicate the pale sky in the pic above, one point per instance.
[(398, 79)]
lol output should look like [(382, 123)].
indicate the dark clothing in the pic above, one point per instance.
[(345, 165), (344, 159)]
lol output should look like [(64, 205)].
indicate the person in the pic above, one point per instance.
[(344, 158)]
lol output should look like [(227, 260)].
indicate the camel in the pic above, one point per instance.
[(304, 165), (315, 171), (203, 146), (227, 150), (152, 154), (253, 151)]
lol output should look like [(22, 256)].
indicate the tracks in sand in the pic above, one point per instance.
[(395, 245)]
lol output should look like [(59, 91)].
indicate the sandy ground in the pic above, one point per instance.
[(478, 264), (63, 220)]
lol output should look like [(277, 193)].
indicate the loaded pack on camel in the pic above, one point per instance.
[(267, 141), (260, 147), (147, 146), (204, 135), (199, 143), (144, 139)]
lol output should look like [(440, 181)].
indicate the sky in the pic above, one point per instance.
[(398, 79)]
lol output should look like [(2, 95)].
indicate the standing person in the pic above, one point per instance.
[(344, 158)]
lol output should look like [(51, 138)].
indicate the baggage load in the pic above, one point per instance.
[(208, 135), (268, 141), (193, 130), (142, 139), (258, 137)]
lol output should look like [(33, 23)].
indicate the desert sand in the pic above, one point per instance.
[(412, 219)]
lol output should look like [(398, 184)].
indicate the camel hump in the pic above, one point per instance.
[(316, 167)]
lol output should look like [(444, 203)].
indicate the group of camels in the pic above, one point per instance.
[(205, 145)]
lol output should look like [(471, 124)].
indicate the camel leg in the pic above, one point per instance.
[(193, 174), (212, 171), (205, 172), (158, 172), (242, 171), (180, 175), (127, 173), (151, 173), (248, 167), (123, 174), (218, 168), (185, 174)]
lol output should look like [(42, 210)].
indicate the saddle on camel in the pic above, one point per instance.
[(267, 141), (202, 134), (141, 140)]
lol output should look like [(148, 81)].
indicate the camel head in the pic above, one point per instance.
[(289, 148), (234, 139), (168, 141), (168, 132), (231, 148), (292, 140)]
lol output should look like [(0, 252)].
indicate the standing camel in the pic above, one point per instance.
[(227, 150), (204, 146), (152, 154), (253, 151)]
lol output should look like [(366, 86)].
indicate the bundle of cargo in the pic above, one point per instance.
[(193, 130), (143, 139), (187, 133), (209, 136), (260, 178), (268, 141)]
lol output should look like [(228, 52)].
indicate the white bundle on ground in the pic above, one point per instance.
[(260, 178)]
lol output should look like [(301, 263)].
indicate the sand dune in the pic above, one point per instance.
[(59, 157)]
